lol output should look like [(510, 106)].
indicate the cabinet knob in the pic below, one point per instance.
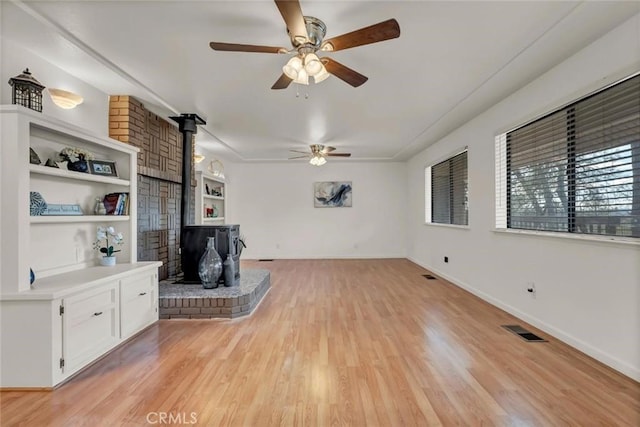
[(97, 313), (142, 293)]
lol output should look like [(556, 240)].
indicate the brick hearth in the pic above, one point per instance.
[(180, 301)]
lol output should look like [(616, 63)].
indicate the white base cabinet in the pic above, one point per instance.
[(52, 332), (90, 325), (138, 303)]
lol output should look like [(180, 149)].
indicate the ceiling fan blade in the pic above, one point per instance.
[(328, 149), (386, 30), (338, 154), (282, 83), (298, 157), (298, 151), (292, 15), (345, 74), (234, 47)]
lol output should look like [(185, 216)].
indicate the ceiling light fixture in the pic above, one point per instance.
[(312, 64), (293, 67), (321, 76), (317, 160), (301, 67), (65, 99)]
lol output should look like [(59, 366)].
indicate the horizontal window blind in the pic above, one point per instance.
[(449, 193), (577, 169)]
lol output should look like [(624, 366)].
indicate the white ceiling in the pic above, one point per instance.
[(452, 61)]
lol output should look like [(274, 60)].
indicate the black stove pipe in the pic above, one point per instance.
[(187, 125)]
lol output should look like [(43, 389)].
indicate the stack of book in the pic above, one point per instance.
[(117, 203)]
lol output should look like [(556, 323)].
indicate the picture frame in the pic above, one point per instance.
[(332, 194), (103, 168)]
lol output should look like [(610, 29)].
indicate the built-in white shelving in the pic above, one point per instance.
[(69, 219), (221, 218), (210, 199), (76, 310), (80, 176)]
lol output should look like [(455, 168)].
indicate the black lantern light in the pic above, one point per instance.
[(27, 91)]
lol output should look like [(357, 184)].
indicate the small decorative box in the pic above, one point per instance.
[(53, 209)]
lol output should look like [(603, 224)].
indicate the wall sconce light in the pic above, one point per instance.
[(65, 99), (198, 158)]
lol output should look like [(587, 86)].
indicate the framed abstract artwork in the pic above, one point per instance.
[(332, 194)]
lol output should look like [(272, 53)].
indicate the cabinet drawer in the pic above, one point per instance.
[(139, 303), (132, 287), (90, 325)]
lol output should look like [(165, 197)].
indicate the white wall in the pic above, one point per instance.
[(92, 114), (273, 203), (588, 293)]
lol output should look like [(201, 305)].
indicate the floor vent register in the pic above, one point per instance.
[(523, 333)]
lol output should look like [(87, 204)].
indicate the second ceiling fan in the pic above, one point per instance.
[(307, 38), (318, 155)]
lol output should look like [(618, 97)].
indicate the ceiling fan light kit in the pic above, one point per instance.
[(317, 160), (306, 34), (299, 69), (321, 76)]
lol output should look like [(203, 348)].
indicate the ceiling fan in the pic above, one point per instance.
[(307, 37), (318, 154)]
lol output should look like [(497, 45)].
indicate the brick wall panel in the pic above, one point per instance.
[(160, 155)]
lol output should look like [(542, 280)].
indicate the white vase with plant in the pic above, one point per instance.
[(106, 239)]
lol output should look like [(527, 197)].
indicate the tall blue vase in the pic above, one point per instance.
[(210, 266)]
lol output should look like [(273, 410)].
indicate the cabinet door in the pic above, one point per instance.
[(90, 325), (139, 302)]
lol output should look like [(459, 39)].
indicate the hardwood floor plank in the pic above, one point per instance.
[(340, 342)]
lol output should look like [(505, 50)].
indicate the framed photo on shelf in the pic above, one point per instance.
[(102, 167)]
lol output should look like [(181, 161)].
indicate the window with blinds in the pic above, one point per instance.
[(446, 200), (576, 170)]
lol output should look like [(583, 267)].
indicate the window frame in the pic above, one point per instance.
[(503, 194), (428, 202)]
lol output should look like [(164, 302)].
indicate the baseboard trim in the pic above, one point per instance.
[(315, 257), (611, 361), (8, 389)]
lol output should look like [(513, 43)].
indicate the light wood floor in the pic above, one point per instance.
[(340, 342)]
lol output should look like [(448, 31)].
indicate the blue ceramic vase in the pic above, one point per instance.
[(79, 166)]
